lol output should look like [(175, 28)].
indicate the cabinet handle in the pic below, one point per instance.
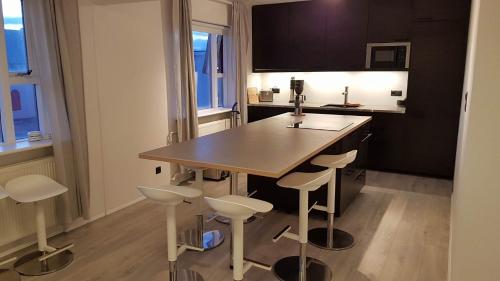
[(367, 137)]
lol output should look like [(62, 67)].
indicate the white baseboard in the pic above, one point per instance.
[(116, 209)]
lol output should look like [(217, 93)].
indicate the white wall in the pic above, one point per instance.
[(124, 76), (210, 11), (368, 88), (475, 225)]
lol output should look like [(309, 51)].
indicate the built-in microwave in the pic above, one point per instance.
[(388, 56)]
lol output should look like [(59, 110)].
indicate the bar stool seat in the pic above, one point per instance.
[(302, 267), (331, 238), (35, 189), (238, 209), (171, 196)]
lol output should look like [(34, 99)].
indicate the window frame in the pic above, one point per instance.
[(215, 30), (7, 79)]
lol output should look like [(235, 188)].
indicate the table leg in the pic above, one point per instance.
[(198, 237)]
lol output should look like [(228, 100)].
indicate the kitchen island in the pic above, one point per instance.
[(266, 150)]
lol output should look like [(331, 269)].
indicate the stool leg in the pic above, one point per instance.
[(172, 243), (302, 267), (331, 208), (330, 238), (303, 228), (41, 233), (237, 249)]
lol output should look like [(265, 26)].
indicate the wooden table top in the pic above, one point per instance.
[(264, 148)]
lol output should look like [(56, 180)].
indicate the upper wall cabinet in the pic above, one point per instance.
[(271, 37), (307, 36), (346, 30), (310, 36), (436, 10), (390, 21)]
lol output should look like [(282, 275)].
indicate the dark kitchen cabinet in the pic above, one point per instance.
[(346, 30), (310, 36), (439, 10), (271, 37), (307, 36), (390, 21), (435, 85)]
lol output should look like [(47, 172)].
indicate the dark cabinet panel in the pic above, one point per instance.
[(271, 37), (435, 86), (346, 30), (435, 10), (390, 20), (307, 36)]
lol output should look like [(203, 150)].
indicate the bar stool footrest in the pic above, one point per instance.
[(30, 265)]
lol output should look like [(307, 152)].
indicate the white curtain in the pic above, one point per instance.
[(238, 64), (57, 33), (179, 56)]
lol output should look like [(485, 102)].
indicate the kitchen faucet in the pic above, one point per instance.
[(346, 95)]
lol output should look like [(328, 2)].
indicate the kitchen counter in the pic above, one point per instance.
[(363, 108)]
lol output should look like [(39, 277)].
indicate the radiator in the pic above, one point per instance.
[(17, 221)]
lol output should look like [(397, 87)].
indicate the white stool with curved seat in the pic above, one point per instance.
[(238, 209), (302, 267), (329, 237), (5, 273), (172, 196), (35, 189)]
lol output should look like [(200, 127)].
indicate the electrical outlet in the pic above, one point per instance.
[(158, 170), (396, 93)]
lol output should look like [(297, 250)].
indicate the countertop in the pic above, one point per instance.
[(362, 108), (264, 148)]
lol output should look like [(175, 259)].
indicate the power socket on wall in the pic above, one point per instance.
[(396, 93)]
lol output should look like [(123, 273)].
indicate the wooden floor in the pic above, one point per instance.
[(401, 224)]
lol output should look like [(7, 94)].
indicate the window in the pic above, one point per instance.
[(209, 67), (20, 112)]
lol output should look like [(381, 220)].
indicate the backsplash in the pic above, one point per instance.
[(367, 88)]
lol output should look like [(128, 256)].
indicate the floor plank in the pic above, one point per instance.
[(400, 223)]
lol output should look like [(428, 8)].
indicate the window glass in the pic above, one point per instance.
[(202, 62), (25, 109), (15, 38)]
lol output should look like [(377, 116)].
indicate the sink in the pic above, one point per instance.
[(349, 105)]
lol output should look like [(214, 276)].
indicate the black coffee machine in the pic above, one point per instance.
[(296, 89)]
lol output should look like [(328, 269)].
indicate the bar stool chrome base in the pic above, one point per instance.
[(287, 269), (29, 265), (341, 240), (182, 275), (211, 239), (9, 275)]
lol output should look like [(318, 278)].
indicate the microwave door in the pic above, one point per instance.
[(384, 58)]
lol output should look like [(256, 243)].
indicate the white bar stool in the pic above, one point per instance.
[(34, 189), (5, 273), (239, 209), (329, 237), (199, 237), (172, 196), (302, 267)]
